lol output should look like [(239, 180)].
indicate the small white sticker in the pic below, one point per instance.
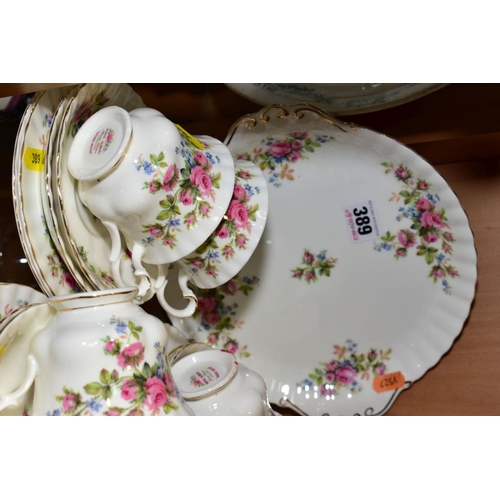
[(361, 221)]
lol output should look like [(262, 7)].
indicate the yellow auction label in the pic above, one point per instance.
[(34, 159), (192, 139)]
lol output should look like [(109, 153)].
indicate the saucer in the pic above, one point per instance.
[(14, 296), (364, 275), (88, 240), (46, 263)]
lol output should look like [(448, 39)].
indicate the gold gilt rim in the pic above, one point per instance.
[(17, 182), (125, 292), (294, 110)]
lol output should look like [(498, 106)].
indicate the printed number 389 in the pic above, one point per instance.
[(362, 220)]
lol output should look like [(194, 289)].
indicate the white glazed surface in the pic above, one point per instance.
[(224, 254), (153, 197), (321, 317), (337, 98), (47, 265), (14, 296), (88, 239), (100, 356), (242, 394)]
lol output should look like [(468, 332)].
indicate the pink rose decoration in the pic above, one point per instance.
[(228, 252), (157, 393), (231, 347), (309, 276), (437, 272), (201, 159), (431, 219), (68, 279), (401, 252), (239, 192), (296, 145), (424, 204), (330, 376), (279, 149), (154, 231), (153, 187), (406, 238), (136, 413), (206, 304), (380, 369), (201, 179), (241, 241), (430, 237), (299, 135), (332, 365), (112, 413), (231, 287), (296, 155), (243, 174), (422, 185), (168, 182), (129, 390), (204, 208), (223, 232), (238, 213), (402, 173), (345, 374), (190, 220), (185, 197), (308, 257), (112, 346), (131, 355), (69, 403), (212, 339), (448, 236), (196, 263), (212, 317)]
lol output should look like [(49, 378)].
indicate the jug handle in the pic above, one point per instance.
[(187, 293), (12, 399)]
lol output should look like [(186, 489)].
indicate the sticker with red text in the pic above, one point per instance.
[(361, 221), (388, 382)]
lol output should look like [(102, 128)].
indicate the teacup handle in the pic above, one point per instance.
[(116, 255), (13, 398), (187, 293)]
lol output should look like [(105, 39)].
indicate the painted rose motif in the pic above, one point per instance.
[(429, 232), (346, 370), (276, 155), (144, 389), (58, 269), (314, 266), (217, 311), (190, 185), (233, 232), (85, 110)]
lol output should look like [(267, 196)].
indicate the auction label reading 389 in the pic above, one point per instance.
[(361, 221)]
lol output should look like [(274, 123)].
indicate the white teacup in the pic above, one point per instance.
[(146, 178), (215, 384)]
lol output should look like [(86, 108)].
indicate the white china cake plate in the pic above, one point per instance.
[(336, 98), (46, 263), (364, 275)]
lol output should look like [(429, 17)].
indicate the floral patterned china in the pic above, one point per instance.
[(144, 178), (46, 263), (365, 273), (125, 372), (87, 239), (337, 98), (13, 296)]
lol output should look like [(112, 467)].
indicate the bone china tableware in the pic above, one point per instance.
[(163, 190), (337, 98), (215, 384), (100, 354), (46, 263), (365, 273)]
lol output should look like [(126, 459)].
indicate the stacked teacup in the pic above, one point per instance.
[(172, 197)]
